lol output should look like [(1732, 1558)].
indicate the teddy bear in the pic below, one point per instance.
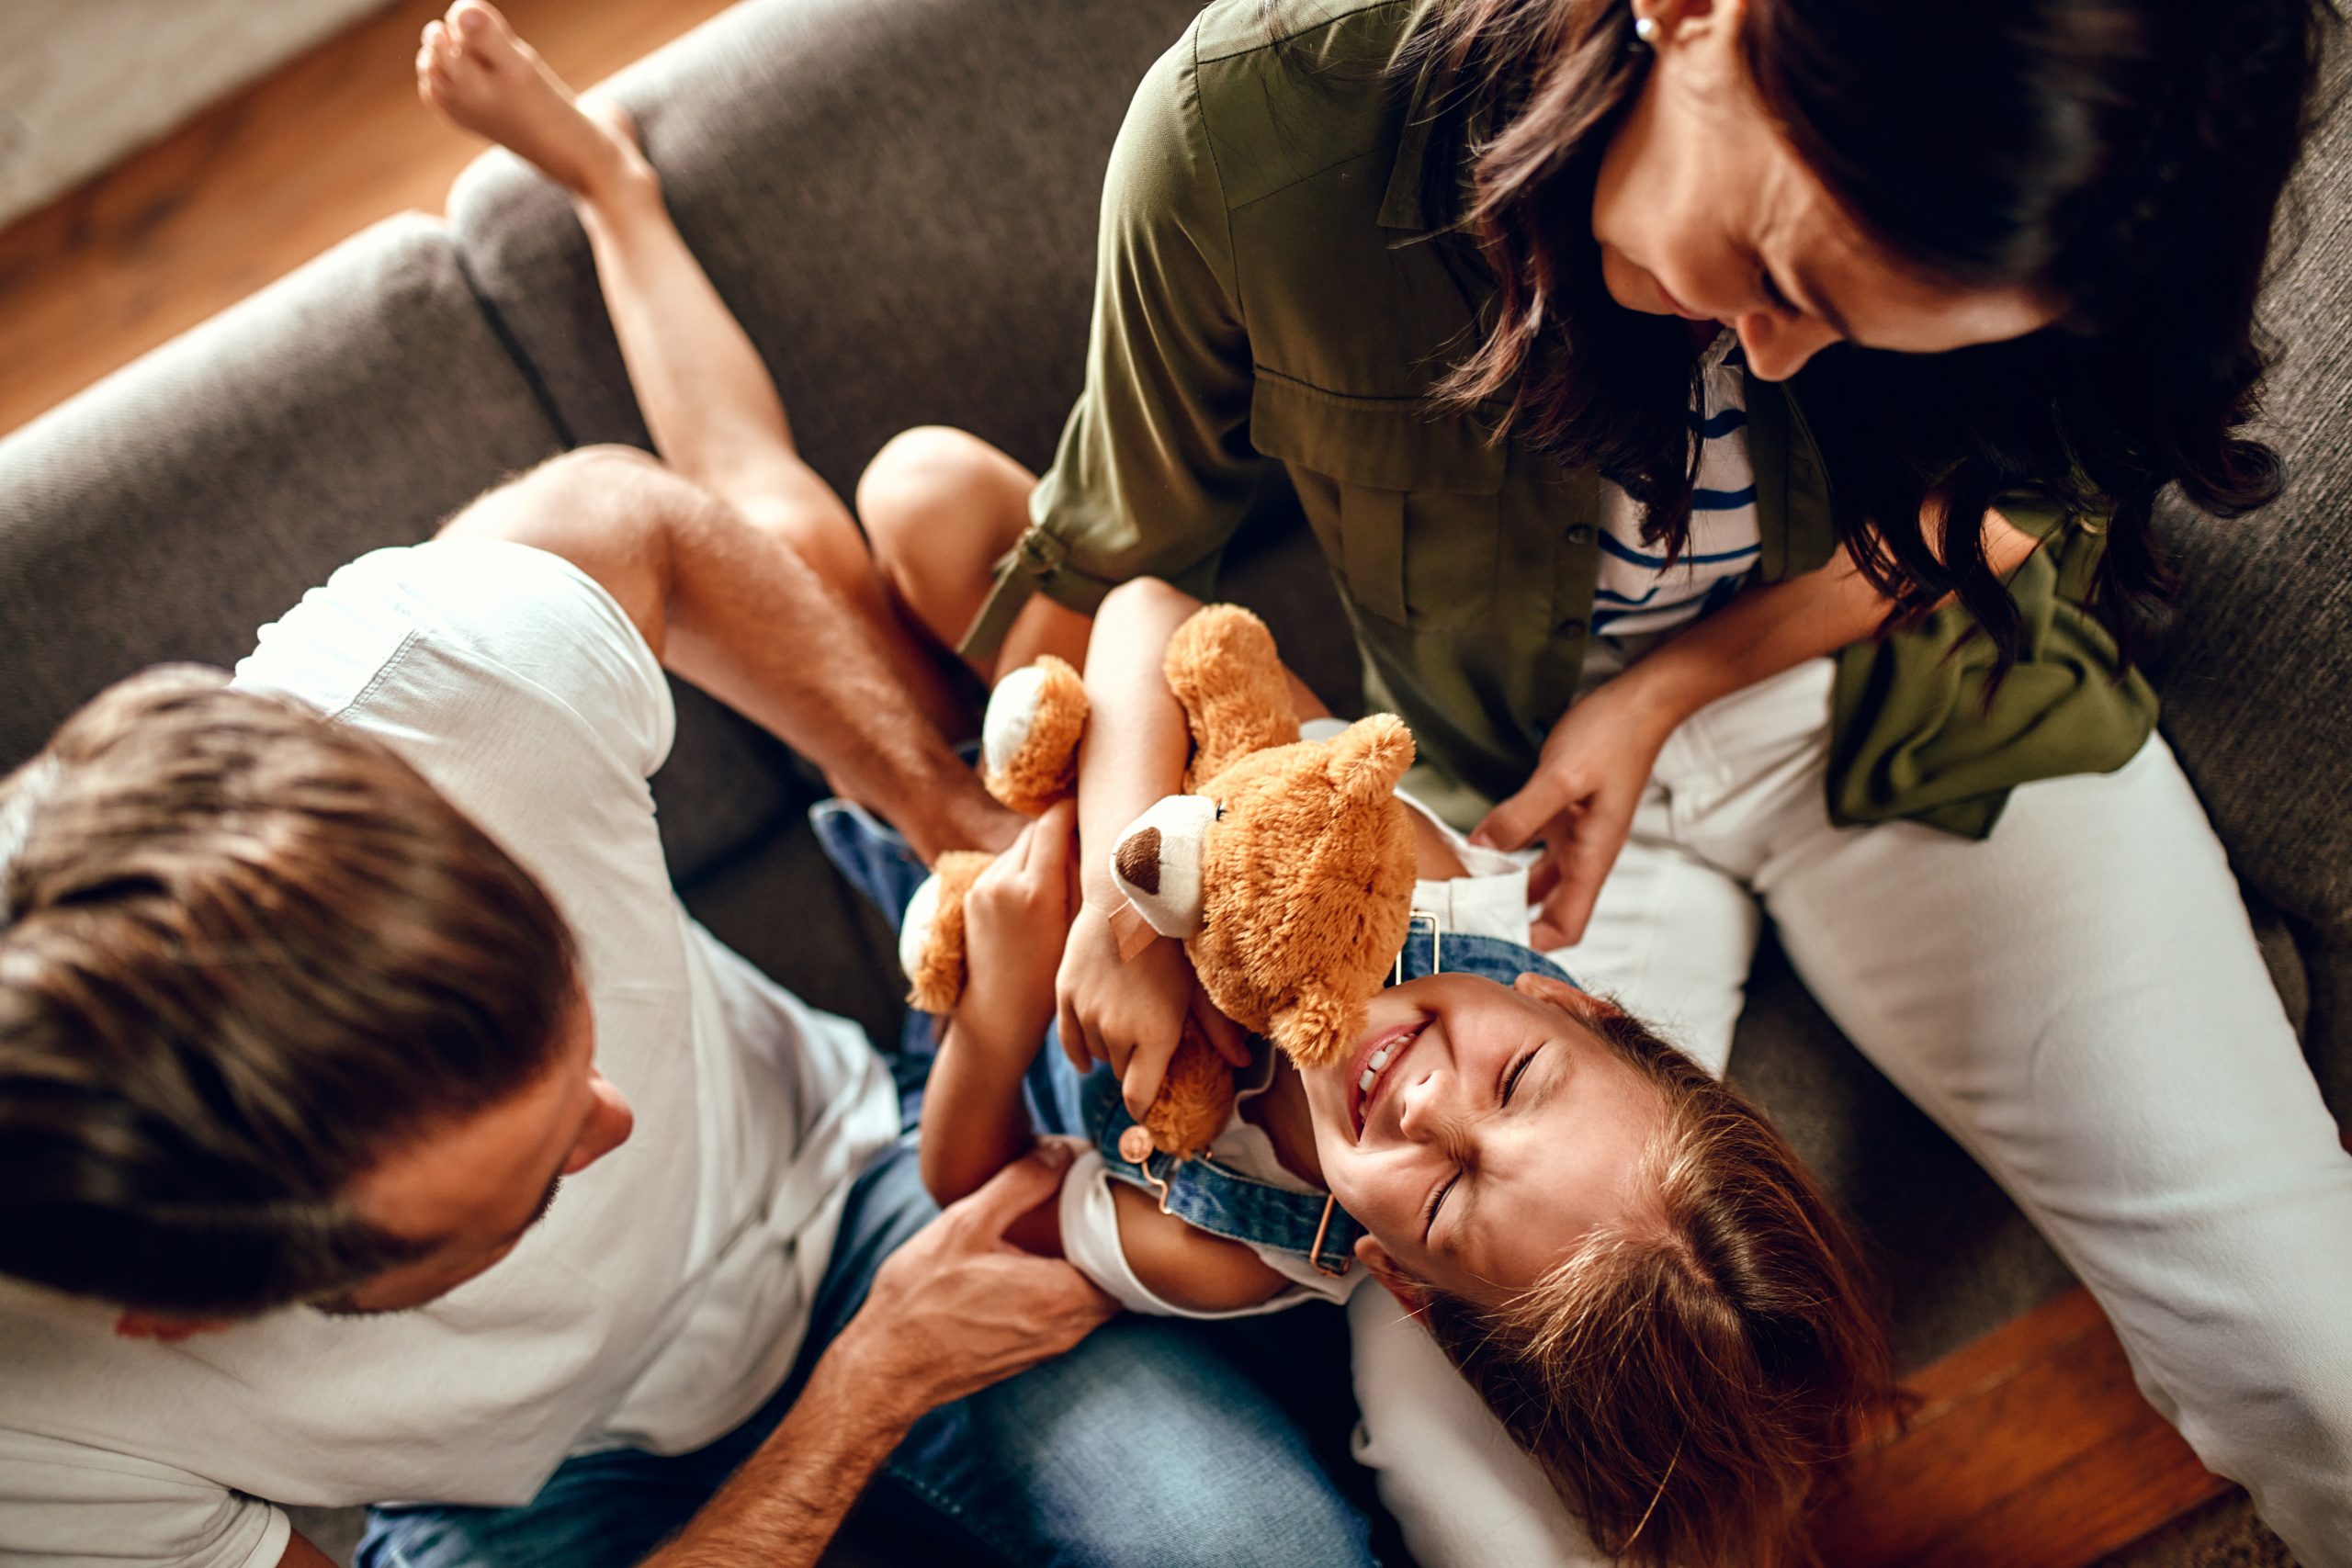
[(1285, 867)]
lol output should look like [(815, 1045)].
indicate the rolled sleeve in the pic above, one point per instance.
[(1155, 469)]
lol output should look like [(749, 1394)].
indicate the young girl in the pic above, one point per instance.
[(1620, 1254)]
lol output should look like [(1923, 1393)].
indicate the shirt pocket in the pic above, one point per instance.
[(1406, 500)]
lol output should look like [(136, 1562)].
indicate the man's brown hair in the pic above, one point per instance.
[(243, 952), (1689, 1377)]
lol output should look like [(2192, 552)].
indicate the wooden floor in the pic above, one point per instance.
[(2030, 1450), (327, 145)]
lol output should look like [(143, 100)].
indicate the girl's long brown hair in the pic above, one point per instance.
[(1689, 1379)]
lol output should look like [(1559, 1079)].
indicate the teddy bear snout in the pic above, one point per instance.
[(1158, 861)]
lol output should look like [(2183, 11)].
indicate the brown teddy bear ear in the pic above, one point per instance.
[(1371, 756), (1158, 864), (1316, 1030)]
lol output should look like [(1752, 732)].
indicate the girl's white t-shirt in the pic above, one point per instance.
[(665, 1296)]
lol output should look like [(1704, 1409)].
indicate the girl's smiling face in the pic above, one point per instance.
[(1497, 1133)]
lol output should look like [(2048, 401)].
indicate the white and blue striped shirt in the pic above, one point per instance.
[(1636, 592)]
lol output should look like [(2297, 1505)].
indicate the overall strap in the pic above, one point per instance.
[(1209, 1196), (1428, 951)]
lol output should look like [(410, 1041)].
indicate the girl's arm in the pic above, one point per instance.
[(974, 1124), (1597, 759), (1129, 1012), (1015, 919)]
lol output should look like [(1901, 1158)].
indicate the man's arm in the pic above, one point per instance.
[(731, 608), (952, 1312)]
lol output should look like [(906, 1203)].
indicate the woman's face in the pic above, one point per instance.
[(1498, 1131), (1702, 210)]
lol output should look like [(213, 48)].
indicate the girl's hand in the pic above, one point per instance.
[(1580, 801), (1016, 919), (1130, 1012)]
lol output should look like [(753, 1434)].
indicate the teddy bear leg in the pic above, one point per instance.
[(931, 937), (1029, 736), (1195, 1098)]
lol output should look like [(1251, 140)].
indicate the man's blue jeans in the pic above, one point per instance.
[(1150, 1444), (1155, 1443)]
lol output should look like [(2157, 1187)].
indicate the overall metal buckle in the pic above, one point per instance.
[(1436, 944)]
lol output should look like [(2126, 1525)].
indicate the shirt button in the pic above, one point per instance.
[(1572, 628), (1579, 535)]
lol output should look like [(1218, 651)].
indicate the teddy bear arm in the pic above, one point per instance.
[(931, 943), (1224, 670)]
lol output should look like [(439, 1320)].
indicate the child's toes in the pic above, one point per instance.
[(478, 26)]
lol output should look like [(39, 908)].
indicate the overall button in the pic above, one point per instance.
[(1581, 534)]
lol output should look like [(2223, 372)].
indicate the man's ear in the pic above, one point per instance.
[(166, 1330), (1560, 994), (1391, 1275)]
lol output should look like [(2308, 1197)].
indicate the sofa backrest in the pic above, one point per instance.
[(185, 500)]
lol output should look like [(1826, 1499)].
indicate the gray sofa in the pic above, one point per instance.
[(898, 198)]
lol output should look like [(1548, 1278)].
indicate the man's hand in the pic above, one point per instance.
[(958, 1307), (1580, 801), (953, 1310)]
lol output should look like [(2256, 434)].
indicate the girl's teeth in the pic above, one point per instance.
[(1380, 1058), (1365, 1082)]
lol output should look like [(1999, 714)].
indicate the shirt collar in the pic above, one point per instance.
[(1401, 205)]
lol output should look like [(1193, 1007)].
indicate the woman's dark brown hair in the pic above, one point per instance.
[(1689, 1377), (2128, 156), (243, 952)]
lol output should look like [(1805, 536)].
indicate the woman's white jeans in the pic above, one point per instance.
[(2077, 999)]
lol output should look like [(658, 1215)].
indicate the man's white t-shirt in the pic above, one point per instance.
[(664, 1297)]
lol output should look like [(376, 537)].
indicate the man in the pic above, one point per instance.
[(356, 1056), (377, 1127)]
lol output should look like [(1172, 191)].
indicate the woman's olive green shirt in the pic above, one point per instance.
[(1264, 295)]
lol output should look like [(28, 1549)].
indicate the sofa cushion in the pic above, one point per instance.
[(2256, 658), (178, 505)]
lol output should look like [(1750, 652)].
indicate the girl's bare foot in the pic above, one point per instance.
[(474, 72)]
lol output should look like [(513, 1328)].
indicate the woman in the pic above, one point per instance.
[(1465, 270)]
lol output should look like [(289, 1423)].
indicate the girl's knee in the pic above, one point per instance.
[(923, 472), (939, 507)]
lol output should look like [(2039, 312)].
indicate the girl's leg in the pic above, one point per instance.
[(708, 398), (941, 507), (2079, 1000)]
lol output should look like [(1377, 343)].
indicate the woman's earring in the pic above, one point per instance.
[(1646, 30)]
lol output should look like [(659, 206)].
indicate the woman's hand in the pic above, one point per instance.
[(1130, 1012), (1016, 919), (1580, 801)]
